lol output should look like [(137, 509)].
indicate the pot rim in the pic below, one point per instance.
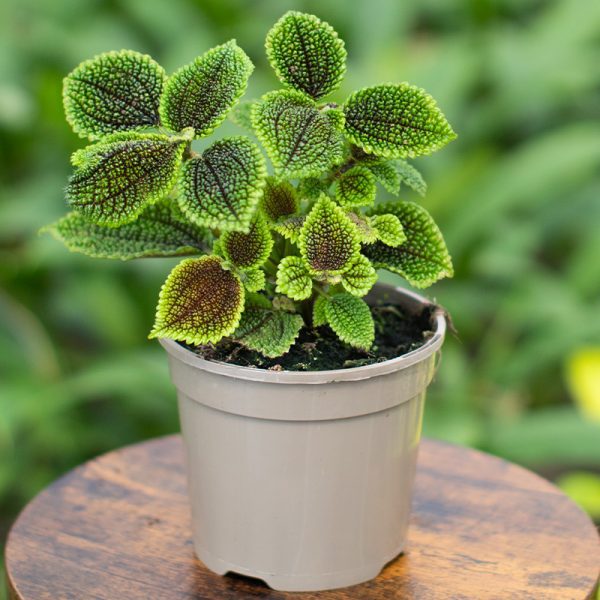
[(433, 344)]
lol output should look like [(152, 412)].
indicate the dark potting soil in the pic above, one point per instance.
[(396, 333)]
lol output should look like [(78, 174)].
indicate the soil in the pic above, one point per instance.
[(396, 333)]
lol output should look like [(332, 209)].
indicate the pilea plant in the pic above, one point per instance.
[(272, 250)]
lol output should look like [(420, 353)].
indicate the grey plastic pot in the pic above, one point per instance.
[(303, 479)]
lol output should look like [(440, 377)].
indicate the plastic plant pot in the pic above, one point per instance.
[(303, 479)]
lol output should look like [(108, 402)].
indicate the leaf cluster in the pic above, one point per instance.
[(272, 247)]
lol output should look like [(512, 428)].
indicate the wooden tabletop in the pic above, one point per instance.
[(118, 528)]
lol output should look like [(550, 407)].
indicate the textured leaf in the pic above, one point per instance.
[(311, 188), (293, 278), (396, 121), (423, 258), (253, 279), (387, 174), (290, 228), (248, 250), (269, 332), (360, 277), (159, 231), (115, 91), (336, 117), (411, 177), (356, 187), (279, 199), (388, 229), (318, 316), (201, 94), (366, 233), (116, 178), (222, 187), (351, 320), (199, 303), (307, 54), (328, 240), (300, 141), (241, 114)]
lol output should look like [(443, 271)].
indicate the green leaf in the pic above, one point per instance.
[(248, 250), (293, 278), (115, 91), (396, 121), (241, 114), (386, 173), (360, 277), (318, 316), (311, 188), (290, 228), (411, 177), (336, 117), (423, 258), (300, 140), (253, 279), (222, 187), (328, 240), (279, 199), (199, 303), (366, 233), (356, 187), (388, 229), (351, 320), (307, 54), (269, 332), (201, 94), (159, 231), (116, 178)]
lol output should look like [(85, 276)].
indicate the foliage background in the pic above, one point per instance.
[(517, 196)]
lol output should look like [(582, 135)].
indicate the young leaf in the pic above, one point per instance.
[(318, 316), (300, 141), (328, 240), (388, 229), (199, 303), (270, 332), (201, 94), (351, 320), (159, 231), (423, 258), (248, 250), (293, 278), (311, 188), (241, 115), (307, 54), (336, 117), (360, 277), (290, 228), (356, 187), (366, 233), (396, 121), (222, 187), (386, 173), (411, 177), (279, 199), (115, 91), (116, 178), (253, 279)]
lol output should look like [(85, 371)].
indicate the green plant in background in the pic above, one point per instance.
[(310, 231)]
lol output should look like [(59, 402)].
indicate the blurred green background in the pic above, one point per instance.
[(517, 196)]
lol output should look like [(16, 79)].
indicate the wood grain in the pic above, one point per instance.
[(118, 528)]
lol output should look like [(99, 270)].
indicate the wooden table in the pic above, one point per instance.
[(118, 528)]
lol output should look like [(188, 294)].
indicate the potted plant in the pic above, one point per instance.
[(300, 382)]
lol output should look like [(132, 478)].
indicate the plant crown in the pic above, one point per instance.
[(272, 249)]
